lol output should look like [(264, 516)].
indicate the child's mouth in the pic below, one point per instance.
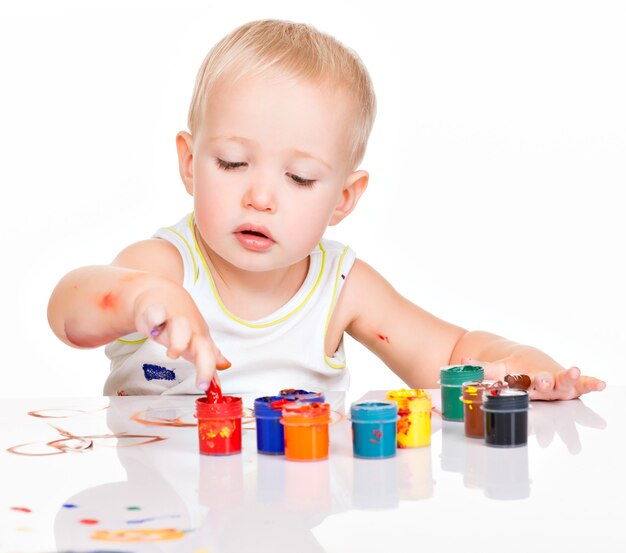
[(253, 233), (254, 237)]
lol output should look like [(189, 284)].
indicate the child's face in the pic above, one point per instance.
[(269, 168)]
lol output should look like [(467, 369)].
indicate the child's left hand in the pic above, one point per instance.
[(563, 384)]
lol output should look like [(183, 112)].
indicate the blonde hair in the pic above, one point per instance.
[(301, 51)]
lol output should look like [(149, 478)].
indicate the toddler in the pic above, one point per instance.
[(278, 125)]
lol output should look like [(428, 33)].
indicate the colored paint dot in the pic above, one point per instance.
[(89, 521), (69, 506), (21, 509), (133, 508)]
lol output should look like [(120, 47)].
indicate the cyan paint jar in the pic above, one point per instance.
[(374, 429), (270, 434), (506, 417), (451, 380), (302, 395)]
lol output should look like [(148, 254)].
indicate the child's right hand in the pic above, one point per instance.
[(183, 331)]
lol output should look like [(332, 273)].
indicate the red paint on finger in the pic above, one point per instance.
[(383, 338), (214, 393), (223, 365)]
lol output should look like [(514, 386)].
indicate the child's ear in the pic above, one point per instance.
[(184, 146), (353, 189)]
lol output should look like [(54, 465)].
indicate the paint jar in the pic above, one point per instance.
[(219, 425), (270, 435), (451, 379), (472, 399), (306, 430), (414, 410), (506, 417), (374, 429), (302, 395)]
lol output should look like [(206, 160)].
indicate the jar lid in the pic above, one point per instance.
[(269, 406), (474, 389), (417, 400), (504, 399), (302, 395), (374, 411), (455, 375), (230, 407), (311, 410)]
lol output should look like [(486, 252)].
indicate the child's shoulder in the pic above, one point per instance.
[(155, 256)]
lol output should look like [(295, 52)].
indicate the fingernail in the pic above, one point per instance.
[(203, 385), (157, 330)]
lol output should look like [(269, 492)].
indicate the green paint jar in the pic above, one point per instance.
[(451, 380)]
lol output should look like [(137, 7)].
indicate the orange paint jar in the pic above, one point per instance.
[(306, 431)]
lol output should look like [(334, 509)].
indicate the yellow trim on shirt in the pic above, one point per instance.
[(330, 311), (193, 259), (242, 321), (141, 340)]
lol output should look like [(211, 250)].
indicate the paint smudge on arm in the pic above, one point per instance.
[(108, 301), (383, 338)]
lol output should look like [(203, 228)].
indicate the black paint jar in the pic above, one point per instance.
[(506, 417)]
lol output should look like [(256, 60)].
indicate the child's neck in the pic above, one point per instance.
[(254, 295)]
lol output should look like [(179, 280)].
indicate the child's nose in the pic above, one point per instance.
[(260, 196)]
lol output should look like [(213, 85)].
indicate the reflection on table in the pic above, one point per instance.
[(124, 474)]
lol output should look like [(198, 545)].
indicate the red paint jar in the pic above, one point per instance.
[(219, 425)]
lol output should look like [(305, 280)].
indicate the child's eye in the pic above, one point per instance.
[(300, 181), (230, 165)]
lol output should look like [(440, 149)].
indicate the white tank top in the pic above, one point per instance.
[(282, 350)]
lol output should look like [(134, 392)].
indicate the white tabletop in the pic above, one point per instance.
[(564, 491)]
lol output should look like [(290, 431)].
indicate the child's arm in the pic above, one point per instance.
[(139, 291), (415, 344)]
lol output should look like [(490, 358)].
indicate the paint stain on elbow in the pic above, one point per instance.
[(107, 302), (383, 338)]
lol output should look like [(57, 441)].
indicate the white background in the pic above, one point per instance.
[(497, 163)]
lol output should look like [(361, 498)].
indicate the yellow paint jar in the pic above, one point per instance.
[(414, 410)]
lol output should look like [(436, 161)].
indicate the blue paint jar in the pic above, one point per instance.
[(270, 434), (374, 429), (302, 395)]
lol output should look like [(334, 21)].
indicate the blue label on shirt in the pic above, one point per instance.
[(154, 372)]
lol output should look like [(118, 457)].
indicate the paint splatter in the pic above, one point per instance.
[(107, 302), (89, 521), (383, 338), (70, 506), (148, 419), (155, 372), (21, 509), (78, 444), (133, 508), (377, 436), (134, 536), (343, 276), (518, 381)]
